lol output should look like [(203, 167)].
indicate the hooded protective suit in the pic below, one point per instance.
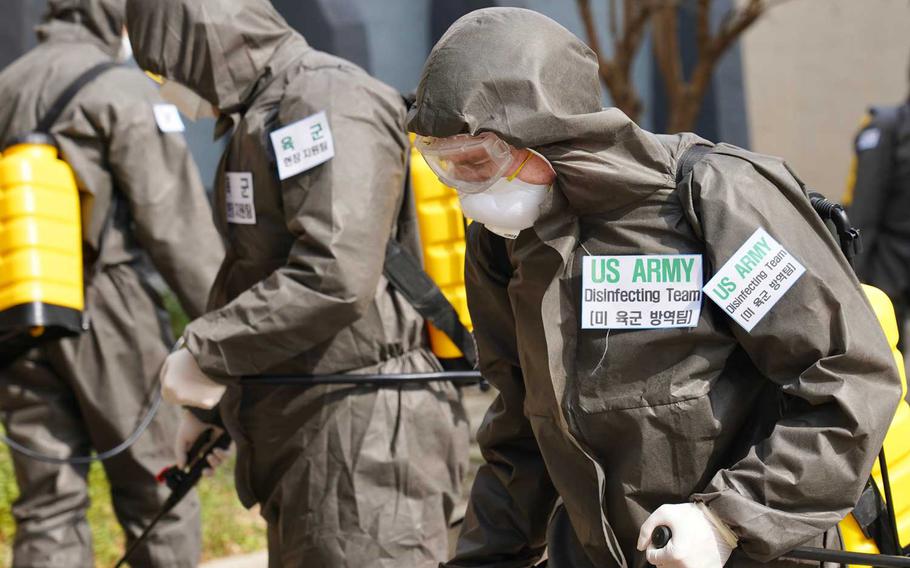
[(346, 476), (879, 201), (90, 391), (774, 429)]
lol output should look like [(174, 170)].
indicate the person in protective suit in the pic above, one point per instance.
[(309, 191), (878, 203), (743, 442), (142, 195)]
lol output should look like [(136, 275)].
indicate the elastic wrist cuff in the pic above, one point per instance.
[(208, 416), (725, 532)]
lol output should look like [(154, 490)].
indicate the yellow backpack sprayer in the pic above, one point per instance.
[(41, 265), (442, 236), (41, 293)]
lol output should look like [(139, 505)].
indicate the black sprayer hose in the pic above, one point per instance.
[(82, 460), (181, 481), (456, 377), (889, 501), (849, 237)]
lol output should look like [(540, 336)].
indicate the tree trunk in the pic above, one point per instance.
[(684, 96), (624, 96), (684, 114)]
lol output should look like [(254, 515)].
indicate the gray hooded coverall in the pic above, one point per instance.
[(880, 204), (89, 392), (775, 429), (346, 476)]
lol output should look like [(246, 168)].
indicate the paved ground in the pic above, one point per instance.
[(255, 560), (476, 404)]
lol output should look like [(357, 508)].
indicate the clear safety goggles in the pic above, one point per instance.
[(470, 164)]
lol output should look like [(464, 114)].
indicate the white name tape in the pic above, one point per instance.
[(641, 291), (238, 198), (754, 279), (303, 145), (168, 118), (868, 139)]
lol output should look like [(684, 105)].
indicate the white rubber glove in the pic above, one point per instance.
[(700, 539), (184, 383), (188, 431)]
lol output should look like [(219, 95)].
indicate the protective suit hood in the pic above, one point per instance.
[(523, 76), (224, 50), (93, 20)]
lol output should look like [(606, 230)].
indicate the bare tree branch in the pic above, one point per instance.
[(636, 20), (616, 71), (587, 19), (614, 19), (737, 22), (666, 49), (703, 29), (684, 94), (688, 97)]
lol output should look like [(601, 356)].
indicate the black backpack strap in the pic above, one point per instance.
[(691, 156), (47, 122), (408, 277), (53, 114)]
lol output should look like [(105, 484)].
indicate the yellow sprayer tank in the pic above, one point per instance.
[(897, 443), (443, 237), (41, 292)]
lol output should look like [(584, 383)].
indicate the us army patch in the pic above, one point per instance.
[(641, 291), (754, 279)]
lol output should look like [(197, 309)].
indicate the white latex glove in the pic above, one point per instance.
[(184, 383), (700, 539), (188, 431)]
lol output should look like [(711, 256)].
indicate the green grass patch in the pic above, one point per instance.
[(179, 319), (8, 492), (227, 527)]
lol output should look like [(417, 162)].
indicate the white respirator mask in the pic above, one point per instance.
[(507, 207)]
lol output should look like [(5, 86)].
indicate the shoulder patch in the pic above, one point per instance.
[(239, 203), (868, 139), (168, 118), (754, 279), (303, 145)]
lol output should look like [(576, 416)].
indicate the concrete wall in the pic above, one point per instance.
[(812, 67)]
